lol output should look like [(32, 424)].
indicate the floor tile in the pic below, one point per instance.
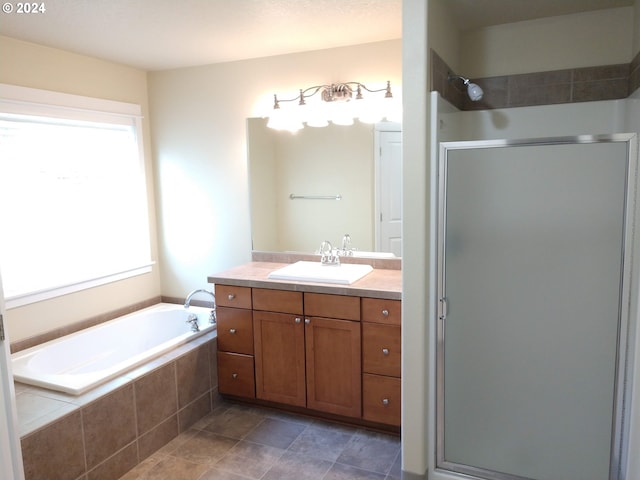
[(171, 468), (216, 474), (347, 472), (297, 467), (275, 433), (204, 447), (250, 459), (232, 423), (322, 441), (371, 451)]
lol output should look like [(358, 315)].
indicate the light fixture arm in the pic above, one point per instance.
[(332, 92)]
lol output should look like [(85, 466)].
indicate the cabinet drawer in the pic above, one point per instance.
[(381, 400), (381, 311), (381, 349), (281, 301), (236, 374), (333, 306), (235, 330), (232, 296)]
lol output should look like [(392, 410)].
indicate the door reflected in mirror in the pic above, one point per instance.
[(322, 183)]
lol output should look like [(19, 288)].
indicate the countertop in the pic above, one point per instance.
[(380, 283)]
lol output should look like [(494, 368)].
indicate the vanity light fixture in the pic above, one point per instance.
[(339, 103)]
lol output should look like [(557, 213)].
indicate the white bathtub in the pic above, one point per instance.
[(83, 360)]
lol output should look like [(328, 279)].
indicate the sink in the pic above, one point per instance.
[(303, 271), (363, 254)]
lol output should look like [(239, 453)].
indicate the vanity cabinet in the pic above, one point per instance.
[(306, 360), (338, 354), (381, 360), (236, 371)]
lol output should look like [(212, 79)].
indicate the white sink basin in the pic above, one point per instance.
[(303, 271), (363, 254)]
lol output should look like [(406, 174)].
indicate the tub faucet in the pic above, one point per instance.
[(212, 315), (192, 320)]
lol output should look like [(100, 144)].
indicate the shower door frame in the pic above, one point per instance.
[(624, 368)]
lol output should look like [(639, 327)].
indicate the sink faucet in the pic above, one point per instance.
[(327, 255), (347, 249), (212, 315)]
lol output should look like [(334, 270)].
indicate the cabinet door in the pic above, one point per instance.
[(333, 366), (279, 357)]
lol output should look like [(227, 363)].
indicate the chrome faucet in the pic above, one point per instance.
[(212, 315), (192, 320), (347, 249), (327, 254)]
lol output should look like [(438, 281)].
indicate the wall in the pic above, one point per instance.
[(567, 41), (47, 68), (199, 144)]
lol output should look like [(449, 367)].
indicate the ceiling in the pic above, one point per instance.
[(166, 34)]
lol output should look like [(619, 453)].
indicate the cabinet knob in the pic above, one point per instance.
[(385, 401), (231, 296), (307, 321), (385, 313), (297, 320), (234, 375), (385, 351), (232, 331)]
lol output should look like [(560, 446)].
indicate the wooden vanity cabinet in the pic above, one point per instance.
[(236, 373), (337, 354), (278, 331), (381, 361)]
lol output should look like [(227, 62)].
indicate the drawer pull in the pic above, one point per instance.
[(307, 321), (231, 296), (297, 320), (385, 401), (234, 375), (232, 331), (385, 313), (385, 351)]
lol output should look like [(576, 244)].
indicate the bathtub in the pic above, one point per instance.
[(83, 360)]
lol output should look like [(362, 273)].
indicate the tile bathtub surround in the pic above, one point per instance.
[(607, 82), (105, 433), (240, 442)]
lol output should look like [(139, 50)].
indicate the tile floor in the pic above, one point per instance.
[(240, 442)]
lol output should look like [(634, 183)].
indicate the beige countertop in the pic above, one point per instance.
[(380, 283)]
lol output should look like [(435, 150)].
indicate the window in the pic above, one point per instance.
[(73, 199)]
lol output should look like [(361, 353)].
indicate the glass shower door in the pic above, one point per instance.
[(531, 267)]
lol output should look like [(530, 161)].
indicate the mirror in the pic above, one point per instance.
[(295, 181)]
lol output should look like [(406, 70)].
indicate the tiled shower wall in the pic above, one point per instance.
[(105, 437), (608, 82)]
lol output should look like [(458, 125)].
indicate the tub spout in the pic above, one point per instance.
[(212, 315)]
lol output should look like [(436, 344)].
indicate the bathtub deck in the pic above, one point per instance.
[(153, 414)]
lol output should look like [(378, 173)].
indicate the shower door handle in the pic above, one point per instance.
[(444, 308)]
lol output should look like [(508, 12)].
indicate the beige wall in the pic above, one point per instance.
[(603, 37), (199, 144), (46, 68)]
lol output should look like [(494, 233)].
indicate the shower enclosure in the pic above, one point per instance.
[(535, 316)]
